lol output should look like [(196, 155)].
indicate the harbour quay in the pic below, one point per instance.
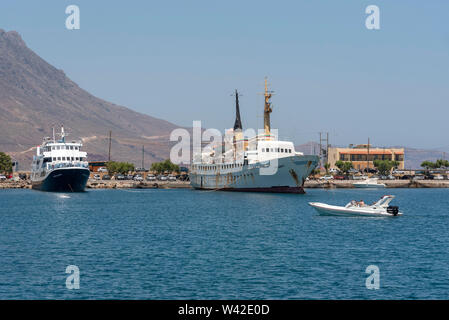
[(388, 184)]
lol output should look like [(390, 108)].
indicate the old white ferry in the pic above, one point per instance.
[(260, 164), (60, 165)]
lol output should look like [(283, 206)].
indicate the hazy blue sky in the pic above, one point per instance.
[(181, 60)]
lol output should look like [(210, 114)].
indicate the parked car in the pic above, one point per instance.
[(339, 177), (438, 177), (389, 177), (120, 177), (129, 177), (141, 170), (326, 177), (97, 177), (151, 177), (333, 170), (406, 177), (138, 177), (163, 178), (418, 178), (398, 172), (359, 177), (2, 177), (106, 177), (102, 169), (171, 178)]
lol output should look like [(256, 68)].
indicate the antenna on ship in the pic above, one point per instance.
[(62, 133), (267, 108)]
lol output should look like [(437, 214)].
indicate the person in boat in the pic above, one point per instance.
[(361, 203)]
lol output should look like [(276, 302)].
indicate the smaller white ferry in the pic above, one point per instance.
[(381, 208), (369, 183), (60, 165)]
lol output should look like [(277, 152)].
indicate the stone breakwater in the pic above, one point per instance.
[(388, 184), (128, 184), (114, 184), (22, 184), (108, 184)]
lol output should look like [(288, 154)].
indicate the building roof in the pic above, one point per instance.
[(371, 151)]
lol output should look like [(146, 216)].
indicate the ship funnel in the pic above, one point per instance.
[(238, 122)]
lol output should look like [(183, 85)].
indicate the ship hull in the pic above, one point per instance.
[(63, 180), (289, 177)]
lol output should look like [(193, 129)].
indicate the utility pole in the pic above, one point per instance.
[(110, 136), (323, 151), (143, 156), (367, 157)]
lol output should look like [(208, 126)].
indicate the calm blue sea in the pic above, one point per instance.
[(185, 244)]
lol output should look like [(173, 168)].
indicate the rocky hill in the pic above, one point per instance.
[(35, 96)]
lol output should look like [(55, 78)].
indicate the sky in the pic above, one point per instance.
[(182, 60)]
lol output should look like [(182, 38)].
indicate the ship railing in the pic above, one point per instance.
[(67, 165)]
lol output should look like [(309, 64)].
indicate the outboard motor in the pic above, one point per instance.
[(394, 210)]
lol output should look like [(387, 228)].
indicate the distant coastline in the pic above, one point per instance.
[(113, 184)]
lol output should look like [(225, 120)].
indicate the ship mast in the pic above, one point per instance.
[(237, 133), (267, 109), (62, 134)]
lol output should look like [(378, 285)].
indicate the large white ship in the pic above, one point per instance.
[(60, 166), (264, 164)]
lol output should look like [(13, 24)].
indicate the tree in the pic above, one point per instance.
[(315, 172), (5, 163), (167, 165), (344, 166), (119, 167), (428, 165), (440, 163), (327, 166), (384, 166)]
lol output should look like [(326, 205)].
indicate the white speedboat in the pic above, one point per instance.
[(369, 183), (381, 208)]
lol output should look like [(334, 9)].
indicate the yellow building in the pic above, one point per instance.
[(363, 156)]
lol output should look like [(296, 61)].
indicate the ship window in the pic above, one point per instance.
[(71, 147), (59, 158), (282, 150), (58, 147)]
